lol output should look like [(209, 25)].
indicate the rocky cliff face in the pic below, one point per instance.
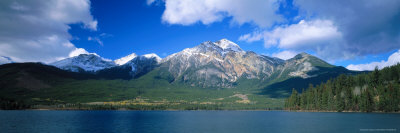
[(222, 63)]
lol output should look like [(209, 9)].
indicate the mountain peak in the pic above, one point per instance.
[(152, 55), (301, 55), (304, 54), (86, 62), (91, 56), (315, 61), (125, 59), (226, 44)]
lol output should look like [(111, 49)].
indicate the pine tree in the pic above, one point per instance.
[(375, 78), (293, 100), (303, 100), (377, 90)]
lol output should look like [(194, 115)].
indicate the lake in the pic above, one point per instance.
[(196, 121)]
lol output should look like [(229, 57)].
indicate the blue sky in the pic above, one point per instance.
[(280, 28), (137, 27)]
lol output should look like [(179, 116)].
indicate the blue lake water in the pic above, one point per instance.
[(196, 121)]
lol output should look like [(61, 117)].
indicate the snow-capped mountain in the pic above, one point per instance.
[(223, 62), (84, 62), (228, 45), (132, 56), (131, 65), (209, 64), (219, 63), (133, 68), (125, 59), (139, 62), (143, 64), (152, 56)]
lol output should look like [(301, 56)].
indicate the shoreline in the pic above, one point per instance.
[(310, 111)]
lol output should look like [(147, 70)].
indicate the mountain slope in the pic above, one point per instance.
[(375, 91), (134, 68), (84, 62), (217, 64), (20, 79), (282, 88), (125, 59), (222, 63), (210, 65)]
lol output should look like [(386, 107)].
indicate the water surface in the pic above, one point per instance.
[(196, 121)]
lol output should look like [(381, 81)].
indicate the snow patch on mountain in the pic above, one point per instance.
[(228, 45), (152, 55), (125, 59), (86, 62), (222, 47)]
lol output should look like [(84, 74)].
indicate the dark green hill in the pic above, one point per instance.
[(39, 84), (323, 74)]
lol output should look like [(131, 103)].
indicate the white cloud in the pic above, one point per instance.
[(96, 39), (321, 36), (305, 33), (187, 12), (392, 60), (149, 2), (38, 30), (367, 26), (5, 60), (337, 30), (284, 54), (334, 30)]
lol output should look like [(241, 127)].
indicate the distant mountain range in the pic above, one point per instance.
[(210, 64), (221, 67)]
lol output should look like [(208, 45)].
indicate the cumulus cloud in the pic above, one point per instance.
[(339, 29), (368, 27), (187, 12), (334, 30), (38, 30), (297, 35), (321, 36), (392, 60), (284, 54)]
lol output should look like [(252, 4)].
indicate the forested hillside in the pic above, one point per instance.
[(368, 92)]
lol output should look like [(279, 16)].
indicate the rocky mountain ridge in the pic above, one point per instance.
[(209, 64)]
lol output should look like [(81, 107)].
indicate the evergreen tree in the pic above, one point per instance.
[(375, 91)]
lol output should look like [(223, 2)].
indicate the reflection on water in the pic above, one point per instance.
[(195, 121)]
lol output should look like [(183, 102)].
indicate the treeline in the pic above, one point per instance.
[(9, 104), (368, 92), (80, 106), (181, 106)]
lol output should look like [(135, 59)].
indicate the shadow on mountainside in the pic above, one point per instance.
[(322, 74)]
